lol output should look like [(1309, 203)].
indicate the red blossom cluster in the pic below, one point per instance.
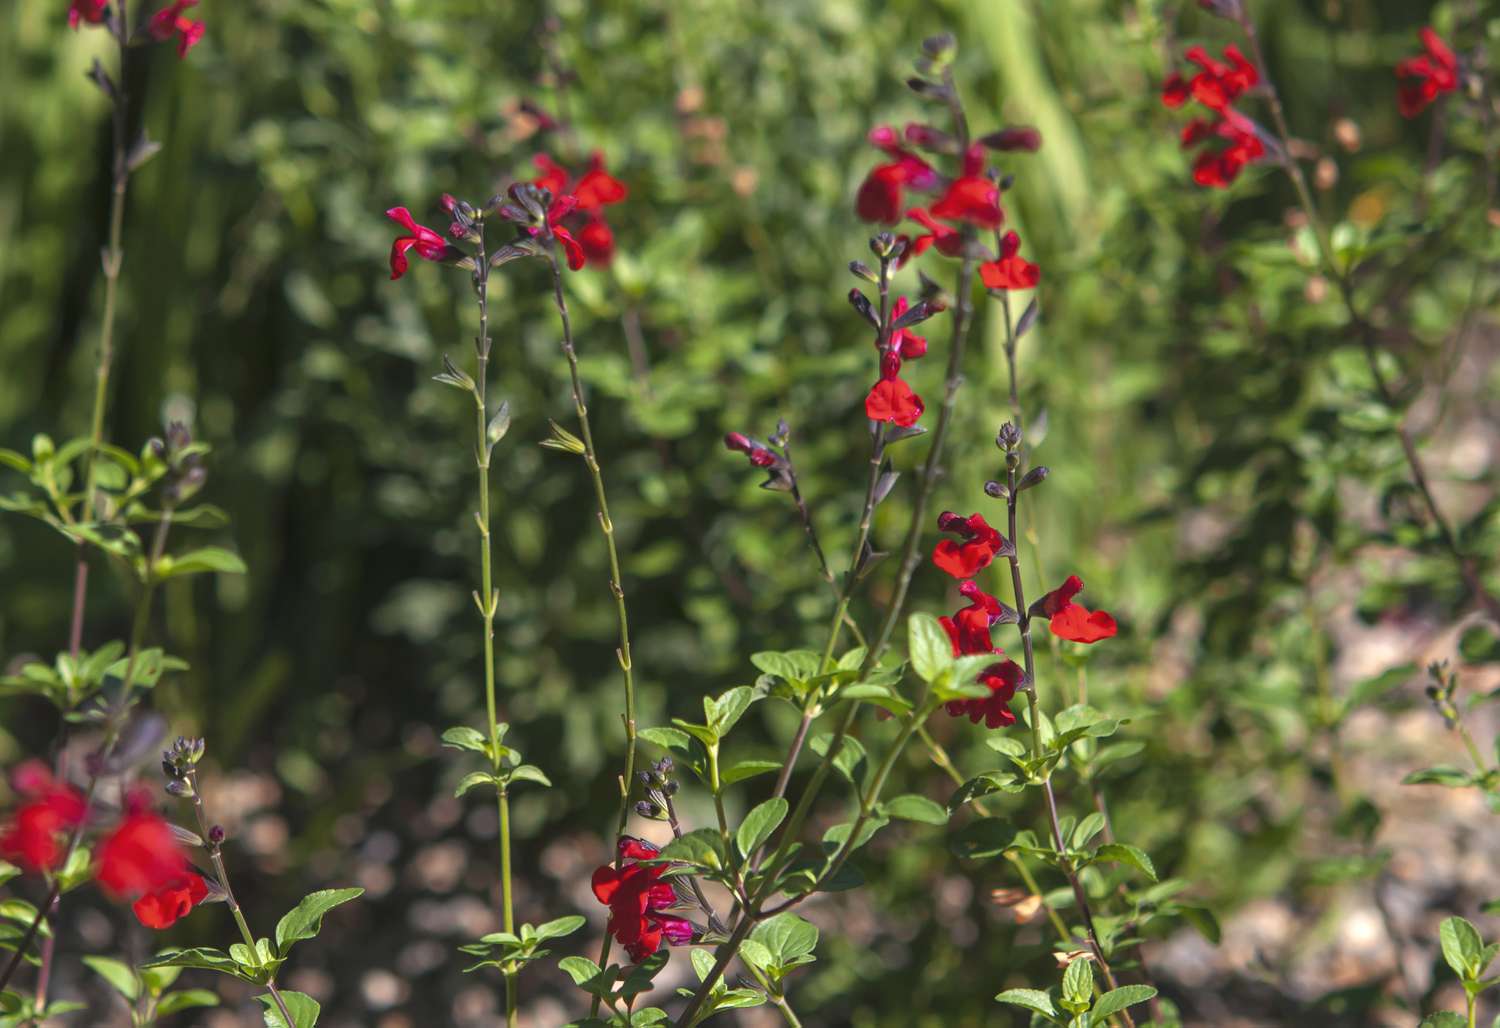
[(969, 631), (140, 860), (164, 24), (1073, 621), (1216, 86), (979, 546), (50, 808), (1011, 270), (594, 190), (637, 899), (1427, 76), (890, 399)]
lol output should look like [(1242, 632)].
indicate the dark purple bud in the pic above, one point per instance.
[(862, 270), (928, 138), (1025, 138), (996, 490), (861, 303), (216, 835), (1009, 436), (1033, 477)]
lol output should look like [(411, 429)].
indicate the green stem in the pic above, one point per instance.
[(616, 585)]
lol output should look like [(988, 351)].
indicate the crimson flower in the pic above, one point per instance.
[(759, 455), (881, 196), (169, 21), (980, 545), (51, 807), (141, 856), (1073, 621), (969, 631), (903, 340), (1426, 77), (971, 198), (161, 908), (91, 11), (891, 399), (591, 193), (429, 244), (1217, 85), (1011, 271), (636, 898), (948, 241), (1218, 168)]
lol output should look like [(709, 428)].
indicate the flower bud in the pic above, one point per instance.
[(216, 835), (1009, 436)]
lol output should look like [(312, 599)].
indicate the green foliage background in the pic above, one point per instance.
[(1184, 375)]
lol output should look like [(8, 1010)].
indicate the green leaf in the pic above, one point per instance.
[(703, 962), (582, 970), (8, 871), (303, 1008), (1088, 827), (209, 558), (915, 808), (560, 927), (1443, 774), (701, 848), (930, 649), (851, 758), (1462, 947), (12, 459), (1031, 999), (1479, 645), (759, 824), (747, 769), (203, 958), (172, 1002), (120, 975), (724, 712), (465, 738), (668, 739), (473, 780), (530, 773), (1116, 1000), (793, 665), (1204, 921), (1120, 853), (757, 955), (1078, 983), (982, 838), (305, 920), (1444, 1019), (879, 695), (787, 936)]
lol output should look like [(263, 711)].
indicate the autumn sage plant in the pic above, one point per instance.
[(89, 817), (539, 220)]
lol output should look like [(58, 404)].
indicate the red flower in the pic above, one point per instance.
[(759, 455), (881, 195), (891, 399), (1432, 74), (636, 898), (1011, 271), (971, 198), (595, 190), (52, 807), (981, 544), (428, 244), (1217, 85), (904, 341), (1218, 168), (91, 11), (1073, 621), (169, 20), (969, 631), (161, 908), (141, 856), (949, 242)]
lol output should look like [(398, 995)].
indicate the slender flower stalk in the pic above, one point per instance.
[(488, 597), (616, 584), (213, 837)]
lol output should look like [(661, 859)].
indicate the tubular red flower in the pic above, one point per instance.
[(52, 807), (1427, 76), (597, 240), (893, 401), (595, 190), (169, 21), (882, 194), (636, 898), (904, 341), (91, 11), (428, 244), (759, 455), (969, 632), (980, 545), (1011, 271), (141, 856), (162, 907), (598, 188), (949, 242), (1073, 621)]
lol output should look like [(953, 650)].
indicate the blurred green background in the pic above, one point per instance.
[(1217, 478)]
